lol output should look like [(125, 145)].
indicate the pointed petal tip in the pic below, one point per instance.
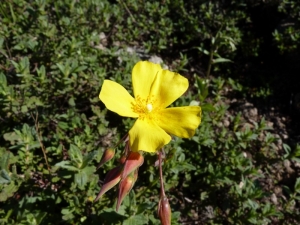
[(111, 179), (133, 161), (107, 155), (125, 186)]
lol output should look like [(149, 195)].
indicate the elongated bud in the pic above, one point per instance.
[(124, 188), (111, 179), (164, 211), (133, 161), (122, 159), (107, 155)]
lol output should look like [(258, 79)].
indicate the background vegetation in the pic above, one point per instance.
[(242, 60)]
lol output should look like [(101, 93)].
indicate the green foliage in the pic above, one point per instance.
[(261, 92), (54, 57), (287, 35)]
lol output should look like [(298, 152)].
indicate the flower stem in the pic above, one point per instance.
[(162, 190), (121, 140), (164, 209)]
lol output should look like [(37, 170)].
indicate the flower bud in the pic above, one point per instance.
[(135, 174), (164, 211), (107, 155), (122, 159), (133, 161), (124, 188), (111, 179)]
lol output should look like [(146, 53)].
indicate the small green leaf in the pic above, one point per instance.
[(89, 158), (75, 155), (3, 82), (221, 60), (203, 50), (71, 102), (4, 160), (84, 175), (136, 220), (208, 107), (4, 177), (63, 125), (12, 137), (24, 109), (66, 165), (8, 191), (297, 185)]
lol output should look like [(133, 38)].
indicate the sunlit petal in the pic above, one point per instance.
[(147, 136), (167, 87), (143, 75), (117, 99), (180, 121)]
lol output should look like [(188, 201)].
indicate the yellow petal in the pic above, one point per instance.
[(143, 75), (167, 87), (147, 136), (117, 99), (180, 121)]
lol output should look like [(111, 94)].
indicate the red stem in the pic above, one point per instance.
[(162, 190)]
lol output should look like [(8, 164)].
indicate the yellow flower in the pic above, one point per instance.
[(154, 90)]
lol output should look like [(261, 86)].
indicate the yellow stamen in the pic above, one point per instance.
[(139, 106), (144, 107)]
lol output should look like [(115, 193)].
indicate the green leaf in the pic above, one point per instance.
[(82, 177), (12, 136), (24, 109), (88, 158), (3, 82), (203, 50), (204, 195), (78, 69), (297, 185), (208, 142), (182, 167), (142, 207), (202, 85), (63, 125), (136, 220), (111, 216), (208, 107), (221, 60), (66, 165), (4, 177), (4, 160), (62, 69), (75, 155), (71, 102), (8, 191)]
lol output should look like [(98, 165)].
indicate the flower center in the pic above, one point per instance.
[(144, 107), (149, 107)]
